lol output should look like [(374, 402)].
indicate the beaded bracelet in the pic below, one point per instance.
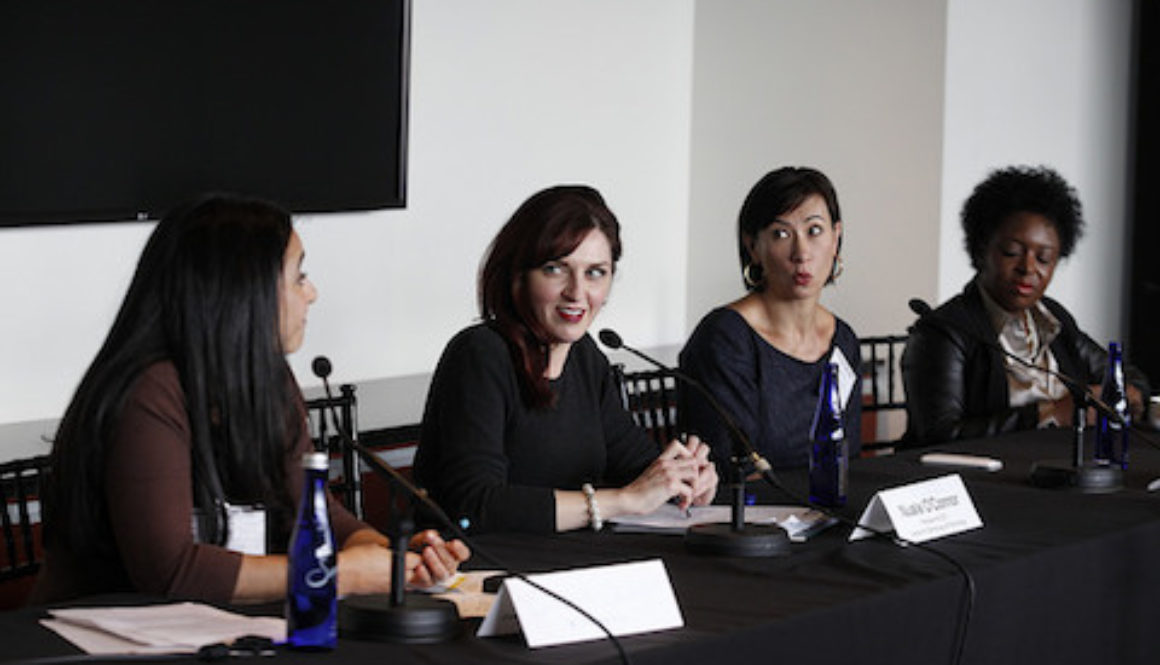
[(594, 520)]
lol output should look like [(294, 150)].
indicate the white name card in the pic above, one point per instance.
[(628, 598), (921, 511)]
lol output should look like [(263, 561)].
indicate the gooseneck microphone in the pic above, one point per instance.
[(389, 617), (717, 535), (613, 341), (1077, 472), (736, 538), (922, 309), (421, 620)]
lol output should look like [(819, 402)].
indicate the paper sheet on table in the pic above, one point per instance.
[(173, 628), (468, 595), (799, 522)]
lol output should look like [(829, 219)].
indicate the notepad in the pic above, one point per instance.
[(799, 522)]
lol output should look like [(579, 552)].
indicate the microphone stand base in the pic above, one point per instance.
[(721, 540), (1089, 478), (420, 620)]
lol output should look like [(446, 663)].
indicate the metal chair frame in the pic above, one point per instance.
[(20, 484), (328, 438), (883, 353), (650, 397)]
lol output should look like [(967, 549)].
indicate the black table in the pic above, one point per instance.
[(1061, 577)]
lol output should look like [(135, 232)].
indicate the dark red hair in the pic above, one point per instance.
[(548, 226)]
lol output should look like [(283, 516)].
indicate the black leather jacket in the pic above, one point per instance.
[(956, 387)]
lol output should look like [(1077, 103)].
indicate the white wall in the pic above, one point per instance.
[(1043, 82), (852, 88), (672, 108), (507, 97)]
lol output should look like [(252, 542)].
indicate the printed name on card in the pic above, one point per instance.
[(921, 511)]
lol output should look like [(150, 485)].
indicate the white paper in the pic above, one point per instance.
[(468, 595), (921, 511), (173, 628), (799, 522), (846, 376), (628, 598)]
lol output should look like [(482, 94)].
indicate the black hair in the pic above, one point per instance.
[(548, 226), (778, 192), (205, 297), (1015, 189)]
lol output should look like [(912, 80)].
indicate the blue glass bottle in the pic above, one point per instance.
[(829, 454), (1112, 437), (311, 584)]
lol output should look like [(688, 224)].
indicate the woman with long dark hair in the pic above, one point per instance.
[(190, 412), (523, 429)]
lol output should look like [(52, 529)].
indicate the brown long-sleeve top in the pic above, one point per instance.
[(149, 496)]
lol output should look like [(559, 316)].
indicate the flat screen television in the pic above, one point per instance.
[(120, 109)]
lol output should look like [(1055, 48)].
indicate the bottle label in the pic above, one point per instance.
[(319, 577)]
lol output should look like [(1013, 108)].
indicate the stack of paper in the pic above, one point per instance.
[(175, 628), (799, 522)]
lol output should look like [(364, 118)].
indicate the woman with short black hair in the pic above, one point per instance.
[(763, 355)]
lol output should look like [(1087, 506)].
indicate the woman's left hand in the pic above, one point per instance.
[(432, 559), (705, 483)]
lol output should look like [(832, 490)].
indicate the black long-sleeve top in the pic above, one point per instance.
[(484, 455)]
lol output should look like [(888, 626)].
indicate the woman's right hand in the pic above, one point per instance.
[(366, 568), (672, 474)]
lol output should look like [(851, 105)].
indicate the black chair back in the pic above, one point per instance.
[(882, 390), (20, 484), (881, 372), (651, 398), (327, 438)]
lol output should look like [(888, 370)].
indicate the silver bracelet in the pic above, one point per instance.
[(594, 520)]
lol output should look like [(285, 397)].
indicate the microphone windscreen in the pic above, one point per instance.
[(919, 306), (610, 339), (321, 367)]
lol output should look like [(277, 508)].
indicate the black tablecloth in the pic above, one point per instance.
[(1061, 577)]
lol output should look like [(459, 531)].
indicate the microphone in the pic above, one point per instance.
[(426, 619), (321, 368), (716, 535), (613, 341), (736, 538), (922, 309), (1094, 478), (373, 616)]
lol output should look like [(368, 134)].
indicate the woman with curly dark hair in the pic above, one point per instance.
[(1019, 223), (523, 428)]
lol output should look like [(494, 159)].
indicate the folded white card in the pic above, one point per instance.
[(628, 598), (846, 376), (921, 511)]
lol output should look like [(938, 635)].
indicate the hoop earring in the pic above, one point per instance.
[(837, 268), (747, 274)]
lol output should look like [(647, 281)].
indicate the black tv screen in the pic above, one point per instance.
[(120, 109)]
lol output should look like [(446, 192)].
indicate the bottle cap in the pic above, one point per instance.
[(315, 461)]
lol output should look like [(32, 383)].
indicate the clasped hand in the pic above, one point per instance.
[(683, 472)]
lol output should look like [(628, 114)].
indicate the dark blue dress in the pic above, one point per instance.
[(770, 395)]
